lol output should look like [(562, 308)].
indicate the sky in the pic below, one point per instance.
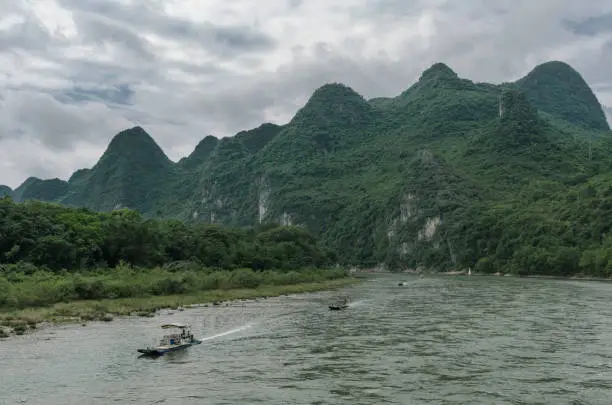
[(73, 73)]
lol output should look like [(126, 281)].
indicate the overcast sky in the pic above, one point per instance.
[(75, 72)]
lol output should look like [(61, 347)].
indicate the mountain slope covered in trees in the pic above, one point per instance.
[(448, 174)]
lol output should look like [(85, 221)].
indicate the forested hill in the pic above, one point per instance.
[(448, 174), (49, 236)]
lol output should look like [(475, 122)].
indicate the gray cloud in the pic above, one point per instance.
[(294, 3), (149, 17), (51, 123), (31, 34), (99, 30), (592, 26), (120, 94), (75, 72)]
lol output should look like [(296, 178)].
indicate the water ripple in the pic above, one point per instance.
[(438, 340)]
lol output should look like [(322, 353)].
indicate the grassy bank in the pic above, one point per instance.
[(28, 300)]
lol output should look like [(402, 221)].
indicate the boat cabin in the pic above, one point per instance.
[(185, 336)]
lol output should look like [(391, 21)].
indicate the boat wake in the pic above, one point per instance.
[(357, 303), (229, 332)]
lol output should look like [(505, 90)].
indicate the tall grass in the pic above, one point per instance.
[(39, 289)]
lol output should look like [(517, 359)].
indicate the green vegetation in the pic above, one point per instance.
[(19, 291), (515, 177), (55, 238), (53, 257), (30, 300)]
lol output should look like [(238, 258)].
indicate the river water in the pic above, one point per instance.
[(437, 340)]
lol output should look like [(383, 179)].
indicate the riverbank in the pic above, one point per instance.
[(429, 272), (577, 277), (30, 319)]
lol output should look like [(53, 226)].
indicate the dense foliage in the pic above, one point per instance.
[(42, 288), (56, 238), (448, 174)]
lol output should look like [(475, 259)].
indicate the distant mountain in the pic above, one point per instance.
[(448, 174), (256, 139), (202, 152), (5, 191), (132, 172), (36, 189), (556, 88)]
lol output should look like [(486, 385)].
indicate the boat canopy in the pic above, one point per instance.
[(174, 325)]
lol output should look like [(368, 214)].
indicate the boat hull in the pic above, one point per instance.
[(337, 307), (161, 350)]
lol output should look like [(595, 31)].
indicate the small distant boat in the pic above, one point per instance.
[(173, 341), (402, 283), (341, 304)]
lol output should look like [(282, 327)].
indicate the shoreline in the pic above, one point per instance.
[(576, 277), (28, 320)]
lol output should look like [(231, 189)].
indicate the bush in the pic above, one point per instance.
[(44, 288)]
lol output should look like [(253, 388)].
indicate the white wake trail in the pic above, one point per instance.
[(229, 332), (358, 303)]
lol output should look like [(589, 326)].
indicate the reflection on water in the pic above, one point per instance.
[(437, 340)]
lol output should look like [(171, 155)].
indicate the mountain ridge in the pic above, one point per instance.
[(437, 70), (412, 180)]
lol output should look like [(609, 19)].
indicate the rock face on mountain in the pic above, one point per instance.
[(448, 174)]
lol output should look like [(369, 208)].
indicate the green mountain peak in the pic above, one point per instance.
[(34, 188), (135, 140), (333, 101), (449, 174), (435, 83), (132, 168), (5, 191), (201, 153), (334, 117), (556, 88), (78, 176), (256, 139), (438, 71)]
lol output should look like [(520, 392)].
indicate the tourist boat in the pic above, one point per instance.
[(341, 304), (173, 341)]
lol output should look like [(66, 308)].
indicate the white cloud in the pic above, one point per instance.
[(75, 72)]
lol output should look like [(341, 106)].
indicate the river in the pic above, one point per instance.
[(437, 340)]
